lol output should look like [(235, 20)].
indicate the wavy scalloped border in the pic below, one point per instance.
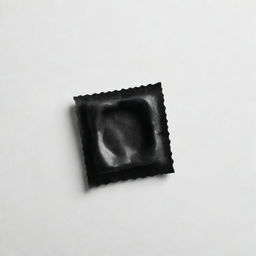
[(164, 122), (124, 91)]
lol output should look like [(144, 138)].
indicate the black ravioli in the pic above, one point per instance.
[(124, 134)]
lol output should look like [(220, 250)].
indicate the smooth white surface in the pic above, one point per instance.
[(204, 53)]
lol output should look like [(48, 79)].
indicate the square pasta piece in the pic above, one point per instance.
[(124, 134)]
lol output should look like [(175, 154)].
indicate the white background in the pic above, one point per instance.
[(204, 53)]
